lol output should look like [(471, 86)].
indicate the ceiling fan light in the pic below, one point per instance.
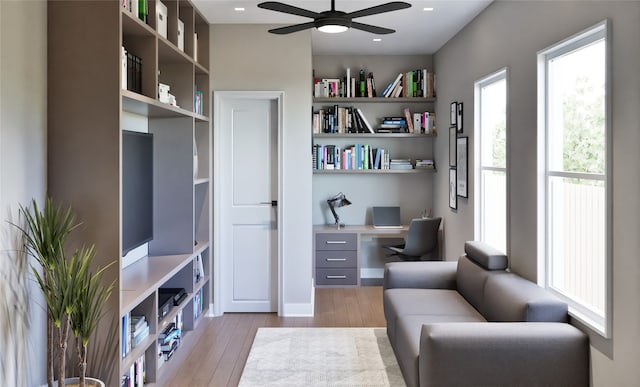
[(333, 28)]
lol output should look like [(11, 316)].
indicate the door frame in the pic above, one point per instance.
[(219, 261)]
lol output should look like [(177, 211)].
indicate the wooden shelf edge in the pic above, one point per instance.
[(370, 171), (372, 100), (373, 135), (136, 352), (143, 105)]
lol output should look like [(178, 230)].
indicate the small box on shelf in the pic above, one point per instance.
[(180, 35), (161, 12)]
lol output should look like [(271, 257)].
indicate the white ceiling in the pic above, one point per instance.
[(417, 31)]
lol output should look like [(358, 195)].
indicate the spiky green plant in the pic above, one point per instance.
[(45, 233), (14, 311), (90, 297)]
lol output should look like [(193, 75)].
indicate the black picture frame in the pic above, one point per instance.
[(453, 135), (462, 165), (453, 114), (453, 189), (459, 117)]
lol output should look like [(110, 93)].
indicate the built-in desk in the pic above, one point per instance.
[(337, 252)]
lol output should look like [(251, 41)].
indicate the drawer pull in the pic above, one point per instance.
[(336, 277), (336, 242), (336, 259)]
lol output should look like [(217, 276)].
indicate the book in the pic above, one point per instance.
[(407, 114), (364, 119), (393, 86)]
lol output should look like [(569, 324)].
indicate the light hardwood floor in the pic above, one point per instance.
[(223, 343)]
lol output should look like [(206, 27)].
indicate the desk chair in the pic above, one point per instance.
[(421, 243)]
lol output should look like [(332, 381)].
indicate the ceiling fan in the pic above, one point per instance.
[(333, 21)]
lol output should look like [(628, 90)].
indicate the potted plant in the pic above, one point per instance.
[(74, 295)]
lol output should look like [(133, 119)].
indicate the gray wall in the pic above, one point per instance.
[(23, 117), (509, 34), (247, 57)]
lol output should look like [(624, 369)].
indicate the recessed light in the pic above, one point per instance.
[(427, 9), (238, 9), (377, 40)]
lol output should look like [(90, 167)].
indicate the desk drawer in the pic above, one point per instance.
[(336, 259), (336, 241), (341, 277)]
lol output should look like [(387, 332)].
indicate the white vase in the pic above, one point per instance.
[(90, 382)]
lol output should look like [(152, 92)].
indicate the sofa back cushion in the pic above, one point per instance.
[(511, 298), (470, 281), (479, 261)]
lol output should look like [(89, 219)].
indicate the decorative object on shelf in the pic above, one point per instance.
[(339, 200), (180, 35), (462, 166), (333, 21), (453, 135), (459, 117), (161, 11), (453, 114), (195, 158), (453, 196)]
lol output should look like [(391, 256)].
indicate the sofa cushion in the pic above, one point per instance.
[(433, 302), (486, 256), (470, 280), (511, 298), (407, 348)]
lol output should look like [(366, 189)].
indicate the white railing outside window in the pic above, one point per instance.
[(574, 169)]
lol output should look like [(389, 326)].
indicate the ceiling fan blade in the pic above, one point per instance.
[(372, 29), (293, 28), (382, 8), (290, 9)]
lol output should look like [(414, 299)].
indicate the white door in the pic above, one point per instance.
[(248, 173)]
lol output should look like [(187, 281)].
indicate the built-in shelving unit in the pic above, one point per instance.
[(88, 110)]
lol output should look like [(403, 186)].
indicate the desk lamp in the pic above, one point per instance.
[(338, 200)]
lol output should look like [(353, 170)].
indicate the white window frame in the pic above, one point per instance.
[(502, 74), (600, 324)]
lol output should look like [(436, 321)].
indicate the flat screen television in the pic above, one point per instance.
[(137, 189)]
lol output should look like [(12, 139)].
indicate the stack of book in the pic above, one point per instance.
[(198, 102), (414, 83), (425, 164), (393, 125), (168, 341), (400, 164), (353, 157), (362, 86), (139, 330), (198, 304)]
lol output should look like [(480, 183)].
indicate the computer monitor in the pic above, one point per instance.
[(386, 217)]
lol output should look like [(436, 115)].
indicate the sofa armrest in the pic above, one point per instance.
[(423, 275), (503, 354)]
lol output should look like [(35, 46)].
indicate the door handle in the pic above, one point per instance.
[(273, 203)]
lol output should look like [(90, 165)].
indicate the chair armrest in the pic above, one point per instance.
[(422, 275), (503, 354)]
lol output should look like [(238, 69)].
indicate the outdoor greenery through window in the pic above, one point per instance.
[(574, 150), (491, 160)]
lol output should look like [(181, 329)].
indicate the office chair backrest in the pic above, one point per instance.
[(422, 238)]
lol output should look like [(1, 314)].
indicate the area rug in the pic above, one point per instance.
[(354, 357)]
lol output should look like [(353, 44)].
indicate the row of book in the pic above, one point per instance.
[(412, 84), (137, 376), (418, 83), (346, 119), (135, 329), (139, 8), (131, 71), (340, 119), (198, 304), (198, 102), (352, 157)]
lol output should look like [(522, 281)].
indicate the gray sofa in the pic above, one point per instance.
[(472, 323)]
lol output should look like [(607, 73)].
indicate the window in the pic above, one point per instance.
[(491, 160), (574, 180)]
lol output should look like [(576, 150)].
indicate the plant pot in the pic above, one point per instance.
[(74, 382)]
